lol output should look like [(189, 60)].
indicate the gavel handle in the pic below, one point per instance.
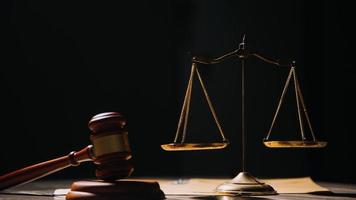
[(40, 170)]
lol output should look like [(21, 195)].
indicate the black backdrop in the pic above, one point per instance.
[(63, 62)]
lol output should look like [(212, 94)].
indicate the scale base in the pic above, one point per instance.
[(245, 184)]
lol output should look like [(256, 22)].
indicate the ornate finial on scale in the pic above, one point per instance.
[(241, 52), (242, 44)]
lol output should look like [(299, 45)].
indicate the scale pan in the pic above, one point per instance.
[(295, 144), (194, 146)]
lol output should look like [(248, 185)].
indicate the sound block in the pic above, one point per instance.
[(120, 189)]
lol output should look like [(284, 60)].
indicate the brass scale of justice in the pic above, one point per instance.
[(244, 183)]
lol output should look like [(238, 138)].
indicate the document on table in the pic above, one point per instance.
[(197, 186)]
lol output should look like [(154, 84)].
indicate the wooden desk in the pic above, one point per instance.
[(339, 191)]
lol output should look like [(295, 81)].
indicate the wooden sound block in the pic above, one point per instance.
[(120, 189)]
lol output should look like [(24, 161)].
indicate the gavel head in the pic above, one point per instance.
[(110, 146)]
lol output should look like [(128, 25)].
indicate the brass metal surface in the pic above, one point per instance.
[(245, 184), (111, 144), (194, 146), (295, 144)]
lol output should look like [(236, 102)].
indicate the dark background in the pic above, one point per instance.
[(63, 62)]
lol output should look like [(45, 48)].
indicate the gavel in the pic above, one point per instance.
[(110, 151)]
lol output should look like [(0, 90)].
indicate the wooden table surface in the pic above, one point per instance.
[(339, 191)]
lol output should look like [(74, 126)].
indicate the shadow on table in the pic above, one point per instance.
[(332, 194), (225, 198)]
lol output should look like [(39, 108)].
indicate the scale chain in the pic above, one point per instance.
[(184, 104), (298, 105), (211, 107), (187, 108), (280, 103), (183, 119), (304, 107)]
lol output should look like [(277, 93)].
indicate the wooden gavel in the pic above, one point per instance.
[(110, 151)]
